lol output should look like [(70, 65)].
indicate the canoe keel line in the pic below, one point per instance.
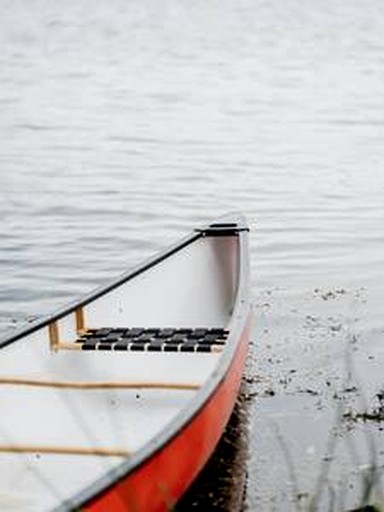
[(158, 353)]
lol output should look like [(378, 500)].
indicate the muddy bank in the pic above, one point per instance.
[(222, 484), (316, 418)]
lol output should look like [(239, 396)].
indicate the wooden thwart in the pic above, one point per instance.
[(65, 450), (10, 381)]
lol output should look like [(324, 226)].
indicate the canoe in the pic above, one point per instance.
[(116, 402)]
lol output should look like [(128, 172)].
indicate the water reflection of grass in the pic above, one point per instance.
[(309, 387), (329, 493), (326, 496), (371, 496)]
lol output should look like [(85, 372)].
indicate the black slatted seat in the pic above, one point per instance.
[(145, 338), (154, 339), (140, 347), (134, 332), (89, 345), (166, 333), (155, 346), (188, 346), (104, 346), (171, 347), (121, 345)]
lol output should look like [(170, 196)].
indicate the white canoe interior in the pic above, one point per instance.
[(56, 441)]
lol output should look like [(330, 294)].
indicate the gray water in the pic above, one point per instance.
[(125, 123)]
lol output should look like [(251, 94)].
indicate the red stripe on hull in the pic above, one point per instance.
[(158, 483)]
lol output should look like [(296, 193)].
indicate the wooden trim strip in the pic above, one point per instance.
[(68, 346), (9, 381), (65, 450)]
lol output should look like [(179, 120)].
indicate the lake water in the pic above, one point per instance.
[(125, 123)]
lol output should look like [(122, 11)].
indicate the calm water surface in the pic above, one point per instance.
[(122, 124)]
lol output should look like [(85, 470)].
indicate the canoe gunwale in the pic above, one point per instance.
[(99, 292)]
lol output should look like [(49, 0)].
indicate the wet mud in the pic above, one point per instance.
[(316, 438), (221, 486)]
